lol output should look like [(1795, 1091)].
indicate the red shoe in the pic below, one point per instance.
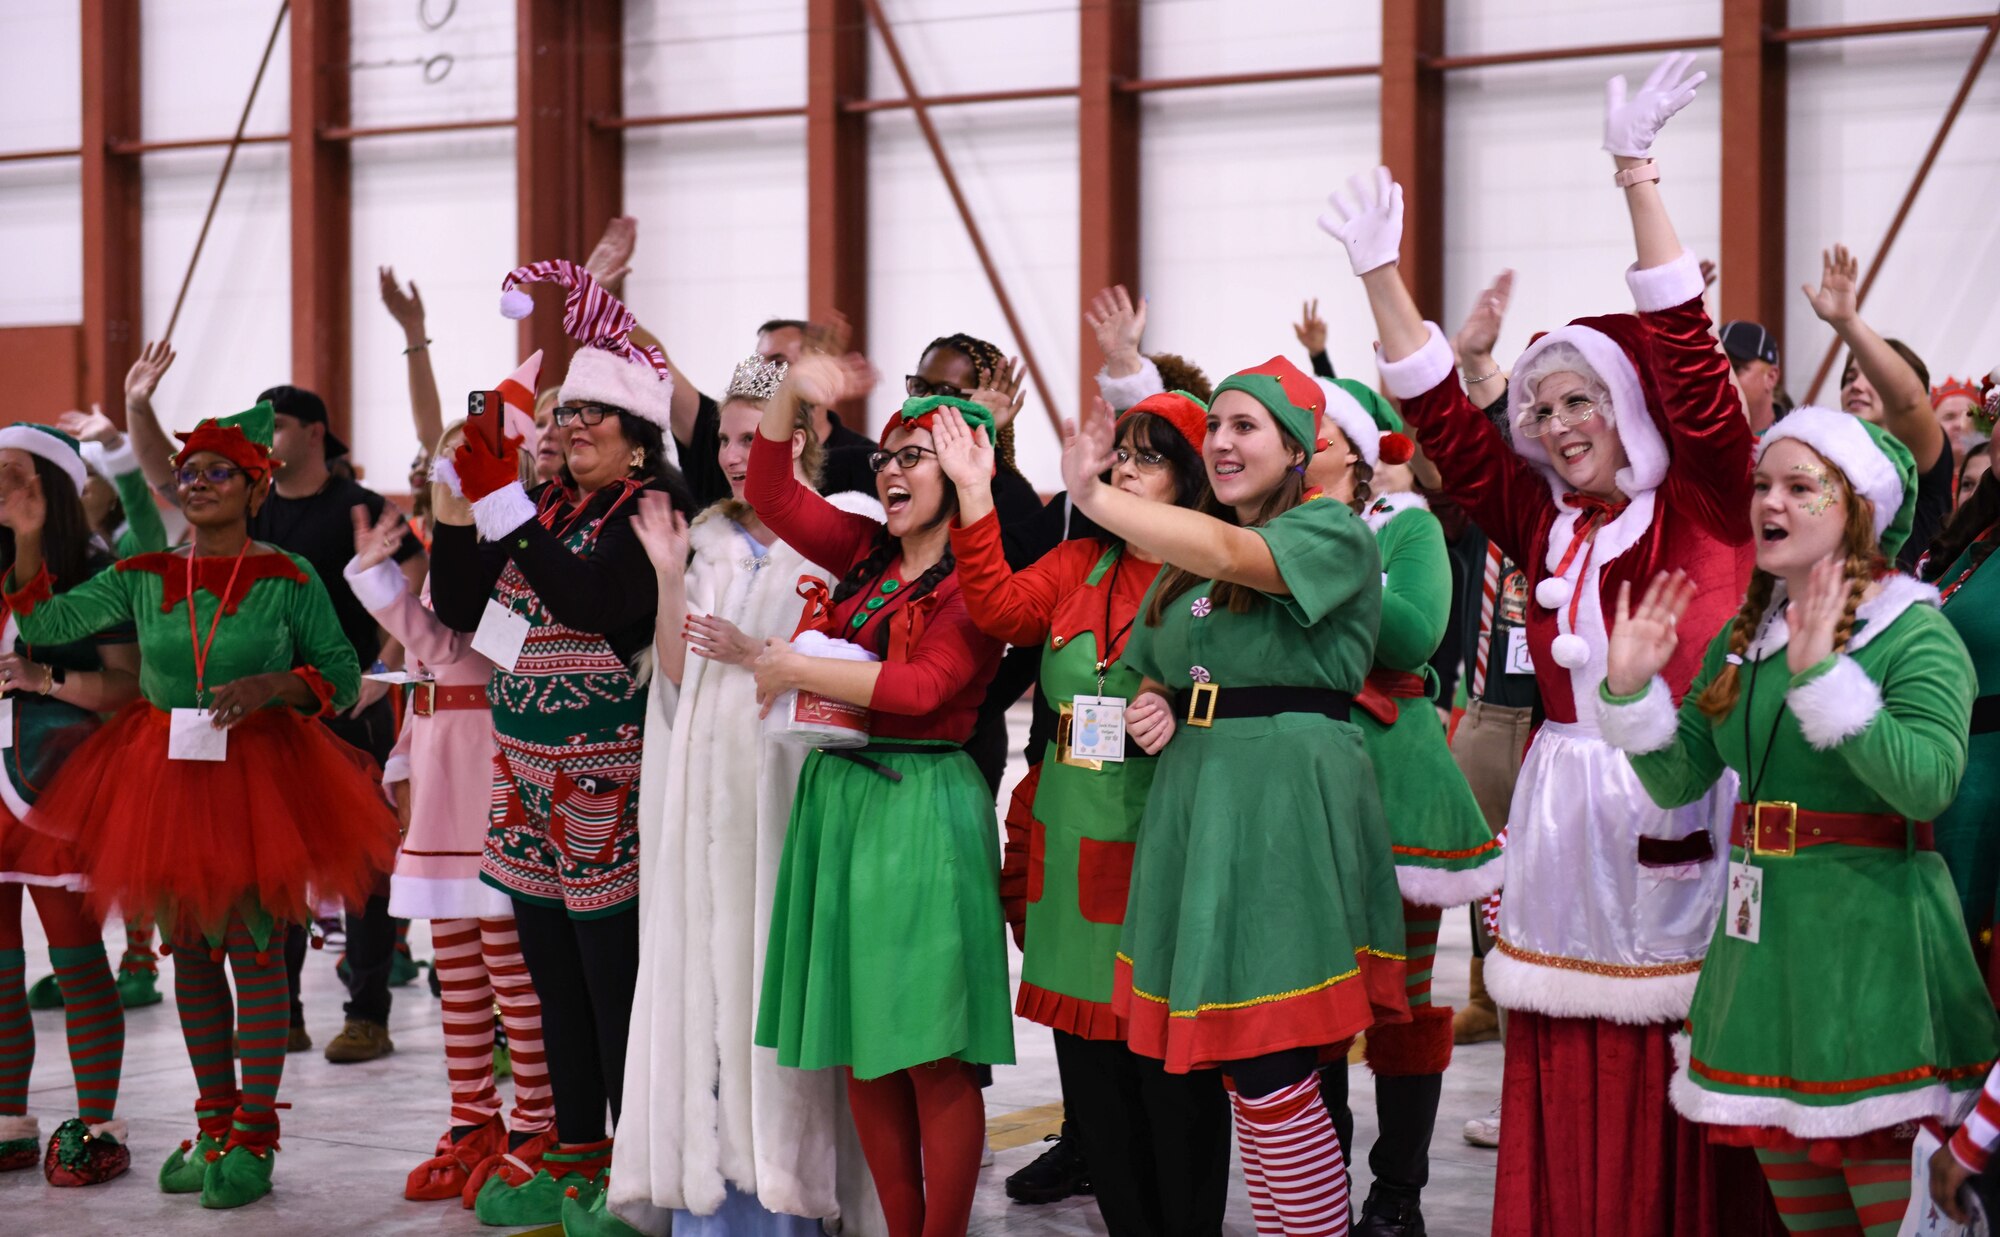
[(516, 1166), (81, 1155), (445, 1174)]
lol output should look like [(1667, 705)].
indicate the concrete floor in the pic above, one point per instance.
[(354, 1131)]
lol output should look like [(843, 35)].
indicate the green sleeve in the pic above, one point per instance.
[(1416, 596), (321, 643), (1684, 767), (104, 601), (1326, 555), (145, 532), (1911, 747)]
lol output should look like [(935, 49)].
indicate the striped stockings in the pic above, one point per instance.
[(94, 1022), (247, 1116), (479, 960), (93, 1019), (1290, 1151), (1420, 938), (139, 955), (1863, 1198)]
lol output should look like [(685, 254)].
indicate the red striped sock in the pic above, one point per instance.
[(1300, 1154), (1420, 942), (521, 1012), (17, 1034), (1261, 1208), (94, 1023), (139, 955), (468, 1020), (263, 1021), (201, 995)]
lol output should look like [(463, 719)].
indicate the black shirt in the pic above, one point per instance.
[(845, 468), (320, 529), (1934, 488)]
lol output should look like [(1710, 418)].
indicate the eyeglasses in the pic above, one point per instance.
[(1543, 420), (1151, 461), (906, 459), (581, 414), (919, 388), (217, 475)]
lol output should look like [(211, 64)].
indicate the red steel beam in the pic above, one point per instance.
[(837, 171), (126, 146), (922, 113), (350, 133), (547, 165), (1413, 139), (322, 208), (1543, 55), (958, 100), (1965, 84), (599, 92), (1153, 85), (695, 118), (1107, 123), (29, 156), (1857, 30), (1752, 256), (112, 270)]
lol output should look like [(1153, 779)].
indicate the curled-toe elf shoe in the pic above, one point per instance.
[(522, 1160), (510, 1200), (81, 1154), (184, 1169), (586, 1212), (446, 1174), (236, 1177)]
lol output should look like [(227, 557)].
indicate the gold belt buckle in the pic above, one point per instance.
[(1065, 721), (1791, 845), (1201, 699), (423, 699)]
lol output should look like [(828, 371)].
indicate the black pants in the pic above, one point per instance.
[(1405, 1116), (371, 933), (584, 972), (1157, 1143), (1257, 1077)]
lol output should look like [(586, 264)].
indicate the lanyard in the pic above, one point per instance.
[(1111, 637), (201, 650), (1771, 741)]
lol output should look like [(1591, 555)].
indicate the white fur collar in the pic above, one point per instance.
[(1897, 594), (714, 535), (1386, 507)]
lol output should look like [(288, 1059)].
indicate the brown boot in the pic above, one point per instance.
[(359, 1040), (1478, 1020)]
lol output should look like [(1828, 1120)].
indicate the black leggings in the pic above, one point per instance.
[(1256, 1077), (584, 971), (1157, 1144)]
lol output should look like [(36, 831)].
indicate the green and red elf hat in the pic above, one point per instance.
[(47, 442), (1183, 411), (1287, 393), (1368, 422), (920, 413), (243, 438)]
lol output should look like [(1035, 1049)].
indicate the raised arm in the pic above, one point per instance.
[(110, 454), (663, 533), (149, 441), (1416, 591), (1127, 375), (1631, 121), (1009, 605), (1906, 404), (822, 532), (407, 308)]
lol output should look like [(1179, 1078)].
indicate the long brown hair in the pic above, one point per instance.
[(1864, 564), (1238, 598)]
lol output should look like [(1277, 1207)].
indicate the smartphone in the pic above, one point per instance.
[(485, 415)]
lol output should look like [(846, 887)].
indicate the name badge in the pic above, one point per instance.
[(1097, 728), (500, 636), (6, 722), (1518, 660), (191, 735), (1743, 912)]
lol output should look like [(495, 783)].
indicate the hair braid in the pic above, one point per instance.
[(869, 569), (1364, 488), (1720, 696), (987, 361), (1859, 577)]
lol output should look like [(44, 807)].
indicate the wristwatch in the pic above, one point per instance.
[(55, 677)]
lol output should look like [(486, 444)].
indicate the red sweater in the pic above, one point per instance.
[(934, 692), (1047, 597)]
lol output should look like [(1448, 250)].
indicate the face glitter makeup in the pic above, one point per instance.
[(1818, 504)]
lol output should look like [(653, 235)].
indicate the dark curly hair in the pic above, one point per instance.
[(1181, 374), (987, 360)]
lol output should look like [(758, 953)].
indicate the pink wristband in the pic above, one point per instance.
[(1629, 177)]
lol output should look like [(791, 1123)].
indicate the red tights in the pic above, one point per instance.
[(928, 1117)]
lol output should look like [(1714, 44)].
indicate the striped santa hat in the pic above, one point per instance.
[(609, 369)]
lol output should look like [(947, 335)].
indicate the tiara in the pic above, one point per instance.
[(756, 379)]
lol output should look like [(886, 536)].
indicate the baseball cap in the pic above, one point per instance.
[(1749, 341), (307, 408)]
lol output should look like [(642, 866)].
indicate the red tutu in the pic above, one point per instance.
[(31, 857), (293, 809)]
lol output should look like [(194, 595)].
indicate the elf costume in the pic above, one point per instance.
[(1610, 898), (223, 851), (1839, 1003), (1157, 1143), (1264, 922), (887, 955), (41, 731)]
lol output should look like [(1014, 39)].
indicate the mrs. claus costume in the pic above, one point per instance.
[(1610, 899)]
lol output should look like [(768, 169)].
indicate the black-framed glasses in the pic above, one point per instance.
[(920, 387), (581, 414), (217, 475), (1544, 420), (1146, 458), (906, 459)]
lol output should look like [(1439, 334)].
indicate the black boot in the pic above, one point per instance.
[(1390, 1212), (1056, 1174), (1400, 1161)]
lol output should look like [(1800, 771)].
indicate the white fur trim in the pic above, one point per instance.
[(442, 469), (599, 377), (75, 882), (1662, 287), (1360, 428), (1563, 993), (113, 461), (377, 587), (1878, 1112), (1122, 393), (396, 769), (1386, 507), (1647, 724), (23, 1126), (115, 1127), (1437, 887), (433, 897), (855, 502), (1421, 370), (1871, 618), (503, 511), (49, 447), (1645, 446), (1837, 705), (1844, 441)]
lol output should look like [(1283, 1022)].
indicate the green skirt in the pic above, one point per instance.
[(1969, 843), (887, 945), (1445, 854)]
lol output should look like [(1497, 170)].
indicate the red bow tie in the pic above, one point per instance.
[(1598, 509)]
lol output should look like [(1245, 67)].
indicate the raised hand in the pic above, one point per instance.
[(407, 308), (1632, 121), (964, 452), (825, 379), (1120, 324), (1643, 640), (1003, 393), (155, 359), (1089, 447), (662, 531), (611, 259), (23, 509), (92, 426), (718, 639), (830, 335), (1480, 331), (1370, 223), (1838, 297), (1813, 617), (1310, 328), (376, 541), (1149, 720)]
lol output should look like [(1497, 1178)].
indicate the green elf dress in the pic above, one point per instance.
[(1839, 1003), (1965, 834)]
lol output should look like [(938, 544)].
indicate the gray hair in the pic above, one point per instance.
[(1557, 357)]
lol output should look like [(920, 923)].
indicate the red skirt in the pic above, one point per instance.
[(31, 857), (292, 815), (1590, 1144)]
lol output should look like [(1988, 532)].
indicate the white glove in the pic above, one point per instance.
[(1370, 225), (1630, 125)]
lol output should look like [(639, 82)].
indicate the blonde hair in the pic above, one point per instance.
[(812, 459)]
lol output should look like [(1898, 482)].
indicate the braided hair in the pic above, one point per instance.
[(871, 569), (987, 360)]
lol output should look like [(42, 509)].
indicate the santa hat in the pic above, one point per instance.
[(1291, 397), (49, 443), (1877, 466), (1185, 412), (242, 438), (609, 369), (1615, 348), (517, 397), (1367, 421)]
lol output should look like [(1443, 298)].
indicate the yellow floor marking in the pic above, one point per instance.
[(1018, 1129)]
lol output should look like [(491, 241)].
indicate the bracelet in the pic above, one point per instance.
[(416, 347), (48, 680), (1629, 177), (1473, 382)]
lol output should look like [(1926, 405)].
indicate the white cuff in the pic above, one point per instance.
[(1837, 705), (1122, 393), (1663, 287), (23, 1126), (377, 587), (503, 511), (1420, 371), (442, 469), (110, 462), (396, 768), (1636, 727)]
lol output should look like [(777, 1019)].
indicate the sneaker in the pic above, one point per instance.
[(298, 1040), (360, 1040), (45, 994), (81, 1154), (1056, 1174), (1390, 1213), (236, 1177), (332, 931), (1484, 1131), (138, 988)]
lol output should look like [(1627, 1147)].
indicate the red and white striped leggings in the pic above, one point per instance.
[(478, 962)]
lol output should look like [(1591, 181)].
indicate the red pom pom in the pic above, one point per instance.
[(263, 957), (166, 950), (318, 942), (1397, 449), (187, 1145), (215, 955), (570, 1193), (212, 1155)]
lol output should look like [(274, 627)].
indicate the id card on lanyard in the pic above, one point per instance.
[(192, 733)]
